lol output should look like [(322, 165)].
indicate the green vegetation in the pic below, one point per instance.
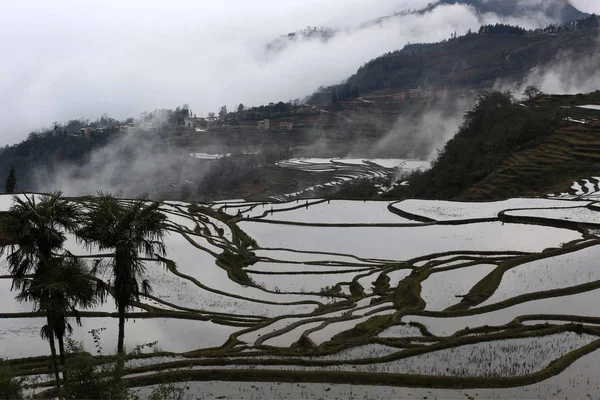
[(407, 294), (465, 65), (501, 29), (235, 263)]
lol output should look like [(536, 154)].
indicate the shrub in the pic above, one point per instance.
[(89, 381), (10, 386)]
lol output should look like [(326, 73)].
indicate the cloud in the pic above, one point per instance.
[(419, 134), (589, 6), (568, 73), (72, 59), (134, 162)]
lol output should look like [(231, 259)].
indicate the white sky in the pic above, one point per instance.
[(66, 59)]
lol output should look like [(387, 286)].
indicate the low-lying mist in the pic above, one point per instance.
[(125, 58), (133, 163), (569, 73), (419, 134), (143, 161), (83, 59)]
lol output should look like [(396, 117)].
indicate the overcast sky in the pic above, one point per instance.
[(590, 6), (66, 59)]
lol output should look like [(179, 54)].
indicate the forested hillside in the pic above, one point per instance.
[(507, 148), (476, 60)]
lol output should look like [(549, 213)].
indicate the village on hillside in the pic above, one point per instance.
[(274, 117)]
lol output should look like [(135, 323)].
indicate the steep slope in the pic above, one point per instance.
[(570, 153), (476, 60), (505, 148)]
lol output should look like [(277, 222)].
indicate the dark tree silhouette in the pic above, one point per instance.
[(128, 227), (34, 234), (11, 181), (61, 289)]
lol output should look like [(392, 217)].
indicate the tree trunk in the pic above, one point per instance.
[(54, 360), (61, 349), (121, 330)]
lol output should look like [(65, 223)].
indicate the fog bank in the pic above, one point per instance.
[(71, 59)]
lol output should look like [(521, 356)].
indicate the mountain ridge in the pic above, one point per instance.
[(476, 60), (558, 11)]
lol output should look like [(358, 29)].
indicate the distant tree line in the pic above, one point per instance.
[(323, 33), (335, 94), (179, 115), (343, 93), (502, 29), (590, 22), (168, 117), (270, 111)]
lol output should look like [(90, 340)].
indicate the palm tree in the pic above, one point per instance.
[(33, 233), (59, 290), (130, 228)]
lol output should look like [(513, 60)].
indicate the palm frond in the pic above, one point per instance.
[(130, 227), (46, 332), (146, 287)]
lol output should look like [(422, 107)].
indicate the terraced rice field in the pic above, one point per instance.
[(419, 298), (570, 151), (336, 171)]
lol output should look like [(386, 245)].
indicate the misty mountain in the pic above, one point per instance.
[(362, 118), (478, 60), (556, 11), (560, 11)]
